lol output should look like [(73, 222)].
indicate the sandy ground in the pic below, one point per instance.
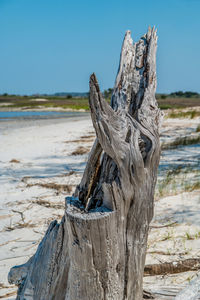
[(41, 161)]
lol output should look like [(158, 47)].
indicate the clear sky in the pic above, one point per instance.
[(49, 46)]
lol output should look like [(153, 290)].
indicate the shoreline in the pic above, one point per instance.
[(16, 122), (40, 109), (82, 110)]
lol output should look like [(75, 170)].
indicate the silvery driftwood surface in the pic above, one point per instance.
[(98, 250)]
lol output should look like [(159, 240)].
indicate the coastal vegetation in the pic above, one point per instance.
[(191, 139), (79, 101), (184, 114), (178, 180)]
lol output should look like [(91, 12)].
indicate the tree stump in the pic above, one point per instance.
[(98, 250)]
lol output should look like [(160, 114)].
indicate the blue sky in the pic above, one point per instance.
[(49, 46)]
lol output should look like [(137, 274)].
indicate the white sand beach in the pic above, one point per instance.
[(41, 162), (31, 152)]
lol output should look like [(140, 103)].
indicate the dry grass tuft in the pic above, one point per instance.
[(8, 294), (16, 161), (80, 151), (49, 204), (182, 141), (5, 217), (191, 114), (69, 174), (54, 186), (83, 139), (26, 178), (198, 128), (87, 137), (19, 226), (193, 187), (3, 286)]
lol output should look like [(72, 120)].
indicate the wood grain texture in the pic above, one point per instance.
[(98, 250)]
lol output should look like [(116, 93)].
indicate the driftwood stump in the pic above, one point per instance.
[(98, 250)]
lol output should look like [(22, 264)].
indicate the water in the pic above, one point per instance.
[(9, 115)]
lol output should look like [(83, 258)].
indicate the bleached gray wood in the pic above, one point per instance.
[(47, 270), (98, 250)]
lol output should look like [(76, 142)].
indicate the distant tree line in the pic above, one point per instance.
[(186, 94), (178, 94), (107, 94)]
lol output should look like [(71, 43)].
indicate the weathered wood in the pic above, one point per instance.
[(45, 272), (131, 83), (189, 264), (98, 250)]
